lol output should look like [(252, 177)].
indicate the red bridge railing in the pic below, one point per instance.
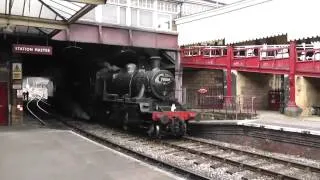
[(273, 59)]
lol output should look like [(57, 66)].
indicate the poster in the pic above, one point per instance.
[(17, 71)]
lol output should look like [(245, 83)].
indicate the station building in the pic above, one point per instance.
[(254, 48)]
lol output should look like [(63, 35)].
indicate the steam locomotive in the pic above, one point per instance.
[(136, 97)]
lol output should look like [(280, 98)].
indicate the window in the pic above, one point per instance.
[(167, 6), (123, 14), (109, 14), (145, 18), (122, 1), (134, 17), (134, 3), (164, 22), (142, 3)]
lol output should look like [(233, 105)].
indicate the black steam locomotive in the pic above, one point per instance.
[(136, 97)]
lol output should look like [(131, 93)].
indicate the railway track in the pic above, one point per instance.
[(243, 159), (198, 158), (37, 111), (42, 112)]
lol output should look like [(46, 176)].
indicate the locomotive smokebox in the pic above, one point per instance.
[(155, 61)]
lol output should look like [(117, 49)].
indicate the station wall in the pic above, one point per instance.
[(193, 80), (307, 94), (202, 78), (257, 85)]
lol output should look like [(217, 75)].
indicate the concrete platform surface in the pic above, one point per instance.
[(275, 120), (40, 154)]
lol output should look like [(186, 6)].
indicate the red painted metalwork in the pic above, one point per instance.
[(3, 103), (272, 59), (202, 57), (292, 73), (182, 115), (289, 59), (229, 75), (308, 60), (113, 35)]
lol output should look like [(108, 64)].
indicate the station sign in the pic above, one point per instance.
[(202, 90), (17, 71), (31, 49)]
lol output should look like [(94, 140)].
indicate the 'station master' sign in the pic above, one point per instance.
[(31, 49)]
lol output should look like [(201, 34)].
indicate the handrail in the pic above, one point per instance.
[(305, 52)]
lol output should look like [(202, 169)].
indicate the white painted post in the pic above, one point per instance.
[(178, 78)]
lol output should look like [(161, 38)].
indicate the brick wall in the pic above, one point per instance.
[(255, 84), (201, 78), (195, 79), (307, 94)]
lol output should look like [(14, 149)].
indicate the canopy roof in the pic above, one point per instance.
[(41, 17)]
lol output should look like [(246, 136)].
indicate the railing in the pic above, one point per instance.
[(264, 52), (192, 51), (308, 52), (256, 58), (240, 52), (214, 51), (213, 106)]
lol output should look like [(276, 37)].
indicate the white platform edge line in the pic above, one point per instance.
[(282, 128), (4, 133), (128, 157)]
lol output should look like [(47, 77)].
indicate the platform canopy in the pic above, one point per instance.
[(250, 20), (41, 17)]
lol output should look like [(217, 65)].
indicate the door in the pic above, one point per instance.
[(3, 103)]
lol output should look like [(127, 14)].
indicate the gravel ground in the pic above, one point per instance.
[(163, 153), (309, 162)]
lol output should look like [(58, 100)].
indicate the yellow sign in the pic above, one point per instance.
[(16, 70)]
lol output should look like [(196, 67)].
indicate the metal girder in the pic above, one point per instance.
[(32, 22), (89, 1), (81, 13)]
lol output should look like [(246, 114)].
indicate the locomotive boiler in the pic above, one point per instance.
[(136, 97)]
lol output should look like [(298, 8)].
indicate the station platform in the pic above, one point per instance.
[(40, 153), (276, 121)]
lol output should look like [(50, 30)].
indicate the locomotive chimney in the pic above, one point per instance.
[(155, 60)]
